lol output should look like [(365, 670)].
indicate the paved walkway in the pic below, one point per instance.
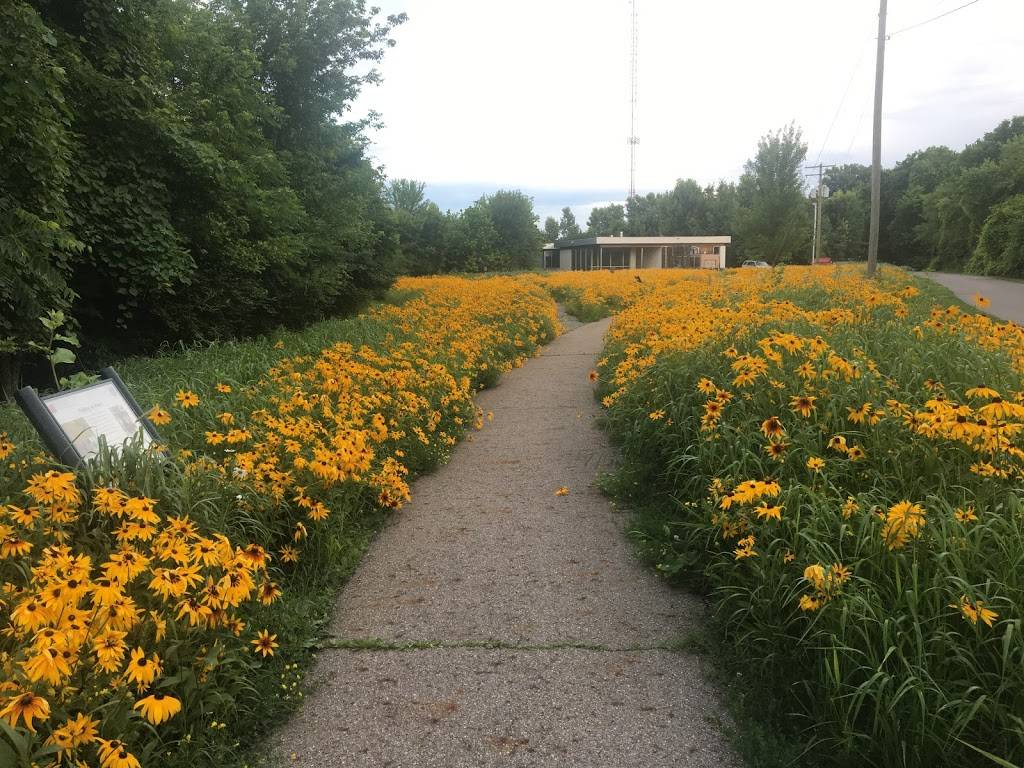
[(545, 631), (1007, 296)]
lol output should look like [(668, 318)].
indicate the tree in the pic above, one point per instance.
[(551, 229), (1000, 248), (475, 245), (684, 210), (568, 229), (514, 221), (199, 153), (774, 218), (36, 246), (606, 221), (424, 239), (643, 215), (406, 194)]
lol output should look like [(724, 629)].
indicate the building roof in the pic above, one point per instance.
[(633, 242)]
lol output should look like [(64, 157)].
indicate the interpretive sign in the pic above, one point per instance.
[(72, 424)]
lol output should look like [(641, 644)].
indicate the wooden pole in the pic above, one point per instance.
[(876, 145)]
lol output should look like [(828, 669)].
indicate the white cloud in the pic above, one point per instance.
[(534, 94)]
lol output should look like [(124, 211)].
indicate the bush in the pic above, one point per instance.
[(1000, 248)]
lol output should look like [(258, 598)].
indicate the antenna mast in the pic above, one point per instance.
[(633, 140)]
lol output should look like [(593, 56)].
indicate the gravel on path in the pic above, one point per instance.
[(486, 552), (1007, 296)]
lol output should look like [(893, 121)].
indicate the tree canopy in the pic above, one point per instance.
[(176, 170)]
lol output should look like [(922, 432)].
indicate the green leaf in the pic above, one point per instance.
[(62, 356), (53, 320), (18, 739), (994, 758)]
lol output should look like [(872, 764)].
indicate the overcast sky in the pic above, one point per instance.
[(534, 94)]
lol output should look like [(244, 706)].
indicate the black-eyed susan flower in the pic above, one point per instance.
[(140, 670), (803, 404), (965, 514), (766, 512), (269, 592), (187, 398), (26, 706), (975, 611), (264, 644), (772, 427), (114, 754), (159, 416), (158, 707)]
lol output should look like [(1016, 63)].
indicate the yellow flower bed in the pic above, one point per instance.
[(841, 461), (130, 593)]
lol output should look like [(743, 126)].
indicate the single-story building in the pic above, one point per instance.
[(704, 251)]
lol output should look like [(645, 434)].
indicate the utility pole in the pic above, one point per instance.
[(876, 145), (816, 241)]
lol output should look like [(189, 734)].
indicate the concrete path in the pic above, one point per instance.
[(537, 637), (1007, 296)]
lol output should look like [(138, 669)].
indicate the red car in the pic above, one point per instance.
[(823, 260)]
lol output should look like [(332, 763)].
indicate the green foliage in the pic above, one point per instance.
[(36, 246), (59, 349), (406, 195), (936, 201), (773, 218), (1000, 248), (515, 223), (496, 233), (568, 229), (551, 229), (606, 221), (934, 204), (198, 152)]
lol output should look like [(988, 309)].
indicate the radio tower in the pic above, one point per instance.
[(633, 140)]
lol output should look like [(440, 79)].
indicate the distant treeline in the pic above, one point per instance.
[(940, 209), (179, 170), (497, 232)]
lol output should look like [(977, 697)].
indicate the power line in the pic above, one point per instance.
[(856, 130), (842, 101), (933, 18)]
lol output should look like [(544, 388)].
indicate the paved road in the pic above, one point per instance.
[(487, 555), (1007, 296)]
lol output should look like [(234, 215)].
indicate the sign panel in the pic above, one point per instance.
[(72, 423), (86, 414)]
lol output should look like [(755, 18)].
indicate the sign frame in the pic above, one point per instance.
[(59, 443)]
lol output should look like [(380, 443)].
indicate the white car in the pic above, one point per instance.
[(758, 264)]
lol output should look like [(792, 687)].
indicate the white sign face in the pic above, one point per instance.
[(97, 410)]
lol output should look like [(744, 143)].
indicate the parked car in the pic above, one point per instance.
[(758, 264), (823, 260)]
